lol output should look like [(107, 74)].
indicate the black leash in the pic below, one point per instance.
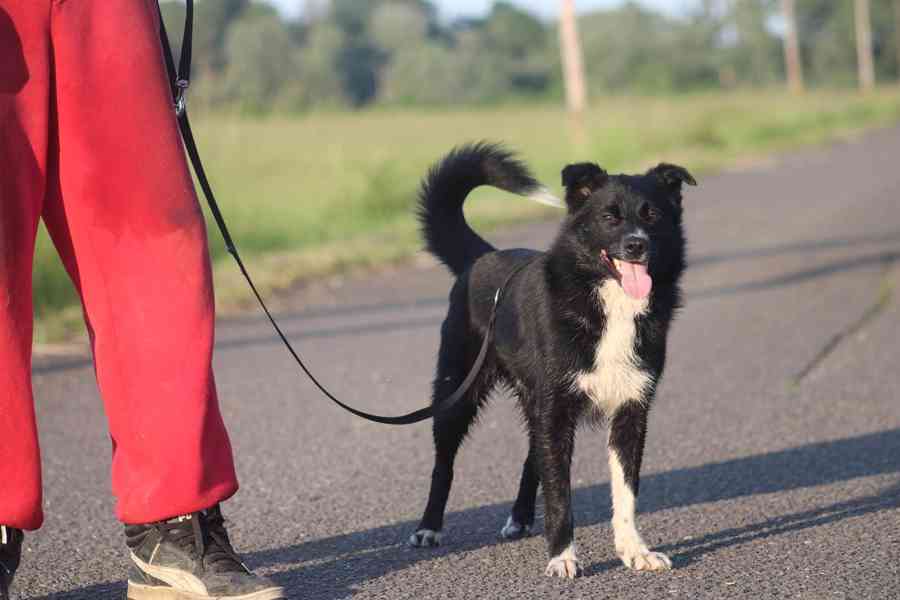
[(179, 81)]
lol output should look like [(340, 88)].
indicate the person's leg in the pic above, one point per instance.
[(24, 102), (24, 120), (125, 218), (123, 214), (10, 554)]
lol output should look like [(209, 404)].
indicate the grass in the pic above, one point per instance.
[(312, 195)]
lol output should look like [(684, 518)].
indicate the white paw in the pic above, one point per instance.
[(425, 538), (565, 565), (643, 559), (513, 530)]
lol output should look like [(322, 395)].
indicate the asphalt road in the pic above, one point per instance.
[(773, 461)]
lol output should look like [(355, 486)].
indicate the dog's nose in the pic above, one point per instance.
[(635, 247)]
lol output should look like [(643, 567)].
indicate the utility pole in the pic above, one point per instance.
[(792, 64), (864, 46), (573, 69)]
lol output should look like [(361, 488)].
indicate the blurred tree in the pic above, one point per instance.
[(828, 40), (318, 62), (352, 16), (397, 25), (353, 53), (400, 30), (514, 32), (634, 49), (173, 18), (359, 64), (423, 74), (480, 74), (262, 62), (519, 43), (314, 10), (359, 59), (897, 34), (755, 50), (212, 19), (611, 62), (477, 60), (705, 46)]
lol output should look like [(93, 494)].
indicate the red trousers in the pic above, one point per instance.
[(89, 143)]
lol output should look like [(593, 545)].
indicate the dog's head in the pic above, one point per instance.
[(627, 227)]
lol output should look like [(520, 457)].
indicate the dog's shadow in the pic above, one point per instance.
[(370, 554)]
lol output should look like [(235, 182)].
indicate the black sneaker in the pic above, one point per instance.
[(10, 553), (191, 558)]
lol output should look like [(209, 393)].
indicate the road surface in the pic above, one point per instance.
[(773, 460)]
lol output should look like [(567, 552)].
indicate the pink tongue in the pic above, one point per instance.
[(635, 280)]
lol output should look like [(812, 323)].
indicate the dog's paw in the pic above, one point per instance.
[(643, 559), (514, 531), (566, 565), (425, 538)]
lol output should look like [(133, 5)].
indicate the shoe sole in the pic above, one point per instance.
[(137, 591)]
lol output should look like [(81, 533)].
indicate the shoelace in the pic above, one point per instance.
[(205, 537)]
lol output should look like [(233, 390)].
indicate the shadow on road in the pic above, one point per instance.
[(695, 263), (335, 565), (686, 552), (297, 319), (794, 248), (332, 567), (882, 258)]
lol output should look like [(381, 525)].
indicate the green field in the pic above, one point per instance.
[(306, 196)]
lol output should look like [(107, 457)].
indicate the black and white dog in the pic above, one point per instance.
[(580, 332)]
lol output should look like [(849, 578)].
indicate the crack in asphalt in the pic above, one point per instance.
[(885, 295)]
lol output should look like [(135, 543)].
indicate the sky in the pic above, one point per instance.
[(451, 9)]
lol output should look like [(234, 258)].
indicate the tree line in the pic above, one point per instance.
[(354, 53)]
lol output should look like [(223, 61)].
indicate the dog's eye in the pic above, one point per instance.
[(649, 214), (612, 216)]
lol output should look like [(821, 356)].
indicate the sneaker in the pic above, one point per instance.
[(10, 553), (191, 558)]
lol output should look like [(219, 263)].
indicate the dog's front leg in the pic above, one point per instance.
[(554, 443), (627, 432)]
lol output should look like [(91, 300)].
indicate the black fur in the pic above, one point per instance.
[(550, 321), (444, 227)]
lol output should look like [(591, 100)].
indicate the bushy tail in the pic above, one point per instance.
[(444, 190)]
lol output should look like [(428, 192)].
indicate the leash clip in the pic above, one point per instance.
[(180, 100)]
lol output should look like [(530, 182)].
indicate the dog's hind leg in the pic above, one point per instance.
[(450, 429), (519, 523), (627, 432)]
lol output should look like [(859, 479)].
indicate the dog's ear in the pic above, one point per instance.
[(673, 178), (581, 180)]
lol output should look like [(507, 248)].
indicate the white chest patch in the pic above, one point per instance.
[(616, 376)]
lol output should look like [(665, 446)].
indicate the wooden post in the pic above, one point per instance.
[(864, 46), (792, 63), (573, 69)]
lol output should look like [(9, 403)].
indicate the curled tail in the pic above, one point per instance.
[(445, 188)]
